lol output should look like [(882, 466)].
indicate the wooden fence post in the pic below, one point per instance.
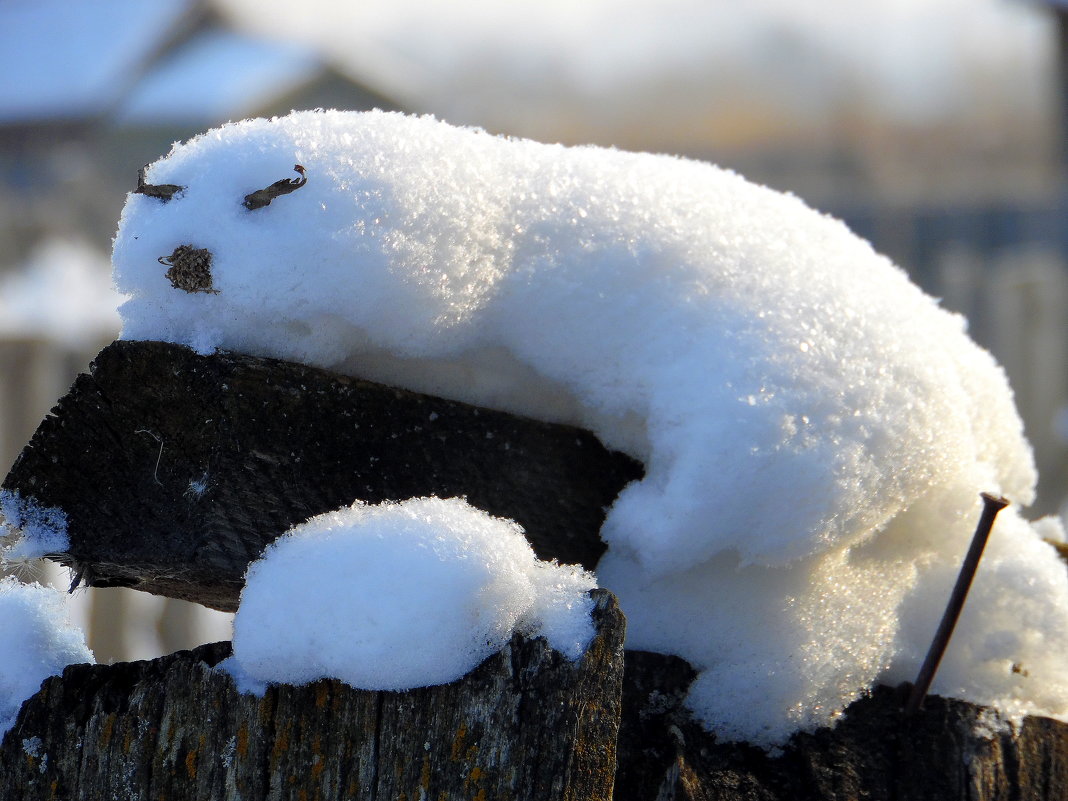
[(239, 449)]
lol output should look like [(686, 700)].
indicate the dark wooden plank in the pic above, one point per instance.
[(175, 470)]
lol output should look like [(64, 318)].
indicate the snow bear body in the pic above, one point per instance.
[(798, 403)]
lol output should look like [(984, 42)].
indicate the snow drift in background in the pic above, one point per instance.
[(518, 62), (816, 430), (39, 641), (402, 595), (62, 293)]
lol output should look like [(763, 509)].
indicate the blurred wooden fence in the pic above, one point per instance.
[(1003, 268)]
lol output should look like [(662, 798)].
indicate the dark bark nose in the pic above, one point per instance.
[(190, 269)]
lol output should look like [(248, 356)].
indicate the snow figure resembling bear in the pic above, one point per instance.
[(815, 429)]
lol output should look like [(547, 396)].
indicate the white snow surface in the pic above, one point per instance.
[(815, 429), (39, 641), (29, 530), (401, 595)]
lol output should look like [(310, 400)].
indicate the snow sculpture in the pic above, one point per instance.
[(815, 429)]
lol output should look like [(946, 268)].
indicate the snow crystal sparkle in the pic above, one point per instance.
[(815, 429)]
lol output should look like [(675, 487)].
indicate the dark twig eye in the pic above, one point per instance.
[(263, 197), (162, 191)]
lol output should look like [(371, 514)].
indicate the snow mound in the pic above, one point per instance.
[(402, 595), (816, 430), (40, 642)]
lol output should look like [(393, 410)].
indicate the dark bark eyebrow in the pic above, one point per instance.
[(263, 197), (162, 191)]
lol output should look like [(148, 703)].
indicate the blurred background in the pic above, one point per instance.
[(934, 128)]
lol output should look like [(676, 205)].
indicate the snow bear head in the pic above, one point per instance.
[(228, 240)]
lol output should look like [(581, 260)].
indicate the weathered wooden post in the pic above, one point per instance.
[(196, 463), (175, 470)]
